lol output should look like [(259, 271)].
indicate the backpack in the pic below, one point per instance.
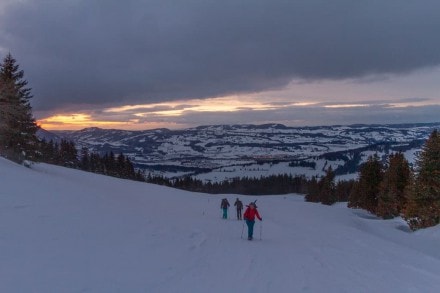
[(224, 204)]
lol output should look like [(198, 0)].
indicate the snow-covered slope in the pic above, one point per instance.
[(63, 230), (222, 152)]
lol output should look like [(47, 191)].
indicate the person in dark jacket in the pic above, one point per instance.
[(224, 206), (239, 205), (249, 215)]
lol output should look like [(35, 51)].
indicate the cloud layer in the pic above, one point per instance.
[(131, 52)]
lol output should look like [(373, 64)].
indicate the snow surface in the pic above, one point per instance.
[(64, 230)]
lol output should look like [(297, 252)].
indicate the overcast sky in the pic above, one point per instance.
[(191, 62)]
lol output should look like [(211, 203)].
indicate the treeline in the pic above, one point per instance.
[(326, 191), (303, 163), (65, 154), (62, 154), (275, 184), (110, 164), (392, 189)]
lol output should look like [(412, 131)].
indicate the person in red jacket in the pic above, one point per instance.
[(249, 215)]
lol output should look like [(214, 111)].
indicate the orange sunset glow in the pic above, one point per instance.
[(75, 121), (146, 116)]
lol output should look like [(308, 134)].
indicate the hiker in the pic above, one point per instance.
[(224, 206), (249, 216), (239, 205)]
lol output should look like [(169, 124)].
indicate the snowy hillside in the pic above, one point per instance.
[(63, 230), (221, 152)]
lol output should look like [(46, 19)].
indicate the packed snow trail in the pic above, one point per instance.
[(64, 230)]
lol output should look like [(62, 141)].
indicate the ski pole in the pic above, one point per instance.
[(242, 229), (261, 230)]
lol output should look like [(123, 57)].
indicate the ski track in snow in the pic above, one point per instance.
[(63, 230)]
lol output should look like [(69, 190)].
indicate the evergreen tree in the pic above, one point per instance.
[(8, 111), (129, 169), (343, 189), (423, 207), (312, 194), (140, 176), (120, 166), (354, 199), (48, 152), (392, 189), (327, 188), (85, 159), (96, 164), (68, 154), (110, 164), (366, 191), (17, 125)]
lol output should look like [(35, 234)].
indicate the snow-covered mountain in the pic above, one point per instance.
[(48, 135), (221, 152), (64, 230)]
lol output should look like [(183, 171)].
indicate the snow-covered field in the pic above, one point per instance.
[(63, 230), (221, 152)]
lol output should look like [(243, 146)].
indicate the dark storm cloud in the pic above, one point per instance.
[(110, 52), (312, 116), (376, 102)]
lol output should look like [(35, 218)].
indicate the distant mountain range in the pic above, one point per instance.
[(221, 152)]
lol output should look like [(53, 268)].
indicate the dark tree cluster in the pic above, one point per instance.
[(63, 153), (108, 164), (17, 125), (275, 184), (390, 189), (303, 163), (423, 200), (393, 189), (396, 177), (365, 192), (326, 191), (351, 164), (66, 154), (381, 188)]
